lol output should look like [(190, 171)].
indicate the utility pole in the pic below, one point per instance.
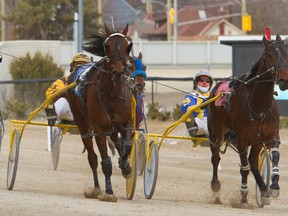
[(80, 25), (149, 9), (75, 33), (246, 19), (244, 12), (3, 26), (168, 18), (100, 17), (175, 30)]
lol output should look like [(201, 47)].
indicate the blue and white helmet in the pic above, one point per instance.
[(202, 72)]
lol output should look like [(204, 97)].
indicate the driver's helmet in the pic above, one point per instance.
[(79, 59), (202, 73)]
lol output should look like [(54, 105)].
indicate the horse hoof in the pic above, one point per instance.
[(244, 205), (274, 193), (93, 193), (107, 197), (126, 173), (125, 168), (215, 185), (265, 200)]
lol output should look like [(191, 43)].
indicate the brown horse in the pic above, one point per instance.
[(107, 110), (138, 77), (250, 118), (137, 72)]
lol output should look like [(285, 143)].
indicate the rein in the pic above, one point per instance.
[(259, 75)]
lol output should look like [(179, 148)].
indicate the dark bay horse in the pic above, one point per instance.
[(107, 110), (137, 73), (250, 118), (138, 77)]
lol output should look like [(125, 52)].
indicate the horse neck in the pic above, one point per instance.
[(261, 93)]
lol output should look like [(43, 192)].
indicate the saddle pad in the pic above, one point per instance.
[(224, 87), (82, 71)]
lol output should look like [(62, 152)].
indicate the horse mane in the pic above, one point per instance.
[(253, 70), (94, 43)]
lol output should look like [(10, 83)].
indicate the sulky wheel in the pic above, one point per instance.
[(265, 171), (133, 161), (151, 171), (141, 152), (13, 159), (56, 139)]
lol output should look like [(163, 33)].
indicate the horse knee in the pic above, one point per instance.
[(107, 166)]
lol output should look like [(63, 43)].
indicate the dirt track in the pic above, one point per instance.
[(183, 185)]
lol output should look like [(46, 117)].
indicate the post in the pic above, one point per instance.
[(152, 82), (80, 25), (3, 26), (175, 32), (244, 7), (75, 33), (100, 17), (168, 18)]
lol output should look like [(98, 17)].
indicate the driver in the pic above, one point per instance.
[(59, 109), (197, 123)]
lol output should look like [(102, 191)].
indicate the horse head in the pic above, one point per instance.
[(276, 59), (117, 49), (138, 73)]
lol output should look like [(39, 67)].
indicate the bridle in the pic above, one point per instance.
[(117, 56), (281, 63)]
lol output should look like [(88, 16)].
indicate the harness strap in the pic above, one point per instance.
[(92, 134)]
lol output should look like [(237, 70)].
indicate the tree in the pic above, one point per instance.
[(38, 67), (273, 16), (48, 20)]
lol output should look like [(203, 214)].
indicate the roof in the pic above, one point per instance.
[(245, 39), (194, 30)]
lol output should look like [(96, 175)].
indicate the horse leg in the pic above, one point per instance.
[(93, 162), (253, 159), (123, 147), (215, 160), (244, 171), (106, 163), (274, 187), (83, 124)]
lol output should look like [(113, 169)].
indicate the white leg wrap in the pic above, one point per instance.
[(244, 187), (245, 168)]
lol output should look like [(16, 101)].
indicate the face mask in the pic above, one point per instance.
[(203, 89)]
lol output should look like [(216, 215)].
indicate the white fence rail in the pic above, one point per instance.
[(155, 53)]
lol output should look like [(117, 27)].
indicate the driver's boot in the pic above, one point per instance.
[(191, 127)]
